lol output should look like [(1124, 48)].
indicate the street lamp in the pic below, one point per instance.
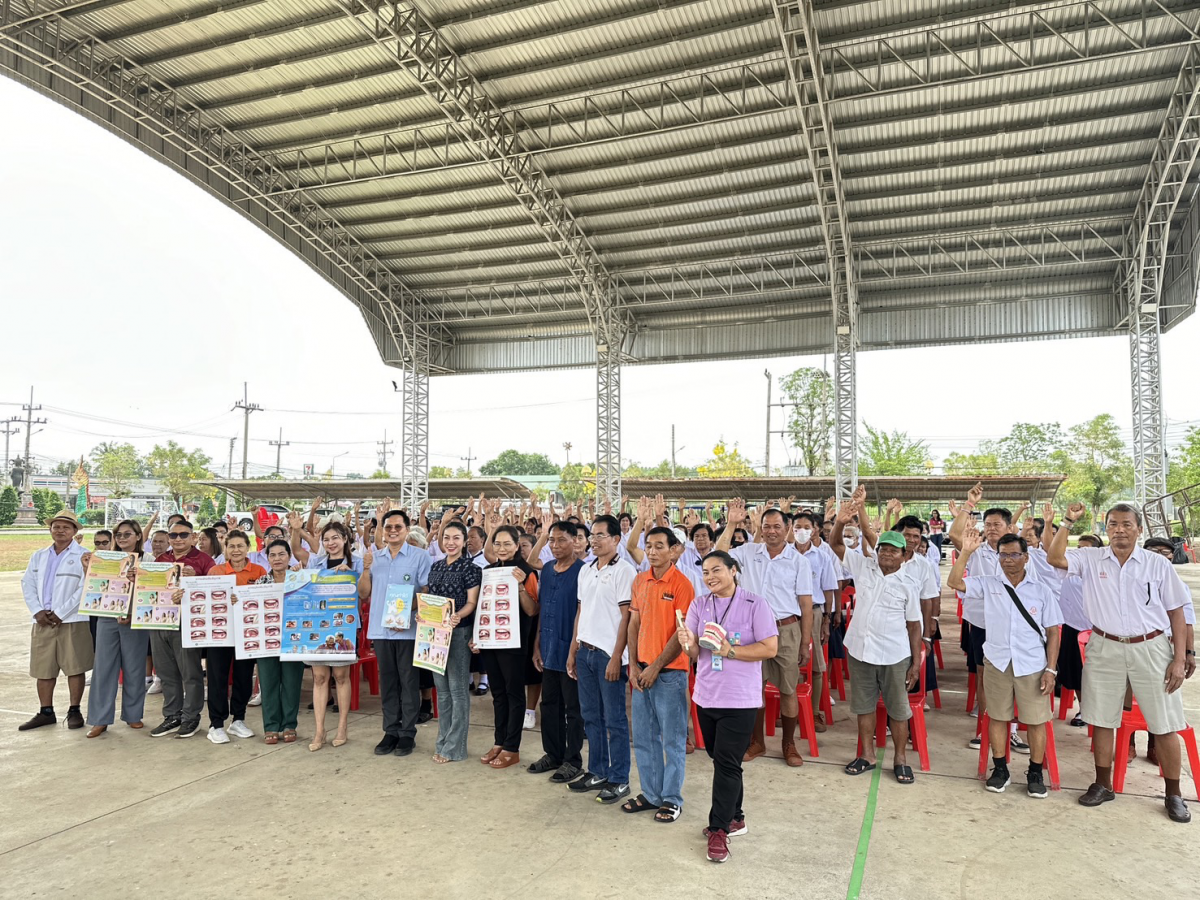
[(333, 462)]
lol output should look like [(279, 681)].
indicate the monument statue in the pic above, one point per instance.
[(18, 473)]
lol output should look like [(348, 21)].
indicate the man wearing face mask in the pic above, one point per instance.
[(824, 597)]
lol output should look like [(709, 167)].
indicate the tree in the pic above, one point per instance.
[(1185, 462), (9, 501), (512, 462), (461, 472), (46, 502), (177, 468), (971, 464), (118, 465), (577, 482), (440, 472), (208, 512), (68, 467), (1027, 449), (381, 474), (890, 453), (810, 424), (726, 463), (1096, 466)]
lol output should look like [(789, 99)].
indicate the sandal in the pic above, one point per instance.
[(487, 758), (505, 759), (904, 774), (271, 737), (667, 813), (439, 759), (638, 804), (859, 765), (289, 736)]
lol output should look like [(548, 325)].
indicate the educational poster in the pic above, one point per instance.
[(258, 620), (154, 588), (498, 614), (209, 610), (397, 606), (108, 585), (320, 619), (433, 632)]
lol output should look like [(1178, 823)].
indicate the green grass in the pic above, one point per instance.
[(17, 547)]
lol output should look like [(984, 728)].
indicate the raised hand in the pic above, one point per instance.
[(953, 507), (859, 497), (971, 540), (735, 513), (368, 560), (1076, 511), (974, 495), (1048, 512), (846, 513)]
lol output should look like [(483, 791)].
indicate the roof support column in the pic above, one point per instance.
[(608, 420), (414, 431), (845, 405), (1149, 447)]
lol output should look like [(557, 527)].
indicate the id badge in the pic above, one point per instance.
[(718, 663)]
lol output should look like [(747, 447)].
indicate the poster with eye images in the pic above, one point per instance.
[(321, 619), (108, 585), (258, 620), (497, 618), (154, 604), (208, 610)]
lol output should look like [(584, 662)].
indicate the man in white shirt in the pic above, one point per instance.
[(60, 641), (775, 571), (597, 660), (1023, 622), (1133, 600), (883, 640), (806, 531)]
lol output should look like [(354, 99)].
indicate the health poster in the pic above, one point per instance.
[(108, 585), (397, 607), (498, 615), (320, 619), (258, 620), (433, 632), (208, 601), (154, 588)]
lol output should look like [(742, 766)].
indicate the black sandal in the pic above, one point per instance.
[(859, 765), (638, 804), (904, 774), (668, 813)]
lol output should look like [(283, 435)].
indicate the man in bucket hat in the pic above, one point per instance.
[(60, 641)]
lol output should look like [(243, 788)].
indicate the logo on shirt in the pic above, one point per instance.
[(670, 598), (1103, 574), (1033, 610), (407, 577)]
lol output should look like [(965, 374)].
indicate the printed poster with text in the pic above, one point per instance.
[(497, 619), (396, 614), (154, 587), (258, 620), (208, 601), (108, 586), (433, 632), (320, 619)]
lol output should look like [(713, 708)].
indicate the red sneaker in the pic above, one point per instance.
[(736, 827), (718, 846)]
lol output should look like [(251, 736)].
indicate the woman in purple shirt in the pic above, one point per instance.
[(728, 690)]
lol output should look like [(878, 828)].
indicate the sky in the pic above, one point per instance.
[(136, 306)]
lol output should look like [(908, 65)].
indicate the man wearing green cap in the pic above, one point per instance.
[(883, 641)]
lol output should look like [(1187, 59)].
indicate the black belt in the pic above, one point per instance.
[(590, 646)]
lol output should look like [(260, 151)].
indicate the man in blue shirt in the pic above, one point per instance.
[(396, 562), (558, 597)]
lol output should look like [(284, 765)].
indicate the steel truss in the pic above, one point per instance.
[(1141, 283)]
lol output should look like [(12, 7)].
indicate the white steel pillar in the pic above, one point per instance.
[(608, 415), (1149, 445), (414, 432), (845, 386)]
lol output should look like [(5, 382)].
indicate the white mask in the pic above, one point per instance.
[(803, 535)]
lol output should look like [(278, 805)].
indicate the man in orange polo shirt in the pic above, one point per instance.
[(658, 672)]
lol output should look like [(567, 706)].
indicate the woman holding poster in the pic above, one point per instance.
[(458, 578), (222, 701), (120, 656), (506, 667), (279, 682)]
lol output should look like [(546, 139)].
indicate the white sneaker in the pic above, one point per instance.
[(530, 719), (240, 729), (218, 736), (255, 699), (155, 686), (87, 679)]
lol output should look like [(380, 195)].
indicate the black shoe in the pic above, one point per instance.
[(998, 781), (1177, 810), (545, 764), (1078, 722), (481, 690), (565, 773), (74, 717), (404, 747), (387, 745), (188, 728), (612, 793), (1096, 794), (425, 715), (167, 727), (1035, 786), (588, 782), (38, 721)]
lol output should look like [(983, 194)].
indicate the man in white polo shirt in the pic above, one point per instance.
[(1020, 655), (775, 571), (597, 661), (1133, 599)]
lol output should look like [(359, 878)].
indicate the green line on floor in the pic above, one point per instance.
[(864, 835)]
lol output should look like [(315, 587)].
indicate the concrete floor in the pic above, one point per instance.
[(124, 815)]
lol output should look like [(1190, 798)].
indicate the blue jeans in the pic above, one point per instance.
[(454, 698), (602, 704), (660, 714)]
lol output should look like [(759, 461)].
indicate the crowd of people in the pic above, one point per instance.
[(670, 606)]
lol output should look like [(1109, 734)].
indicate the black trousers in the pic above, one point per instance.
[(506, 677), (399, 687), (562, 721), (727, 734), (220, 705)]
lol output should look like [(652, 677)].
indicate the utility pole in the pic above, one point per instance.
[(247, 407), (767, 460), (672, 451), (7, 424), (279, 445), (26, 515), (468, 459), (384, 452), (229, 468)]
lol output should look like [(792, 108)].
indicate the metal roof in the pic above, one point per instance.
[(992, 155), (440, 489)]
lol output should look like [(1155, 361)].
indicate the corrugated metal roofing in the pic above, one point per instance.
[(991, 153)]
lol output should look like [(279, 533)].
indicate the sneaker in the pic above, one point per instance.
[(255, 699), (1036, 787), (736, 827), (425, 715), (612, 793), (998, 781), (588, 782), (718, 846), (240, 729), (1017, 745), (974, 743), (167, 726), (530, 719), (974, 714), (154, 686), (218, 736), (187, 729)]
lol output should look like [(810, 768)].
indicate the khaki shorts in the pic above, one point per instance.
[(870, 682), (1001, 688), (818, 649), (784, 670), (1110, 665), (66, 649)]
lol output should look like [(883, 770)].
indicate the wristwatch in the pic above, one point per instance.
[(732, 652)]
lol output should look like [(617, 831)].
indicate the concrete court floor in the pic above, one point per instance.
[(117, 815)]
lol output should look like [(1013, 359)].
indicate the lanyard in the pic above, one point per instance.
[(728, 606)]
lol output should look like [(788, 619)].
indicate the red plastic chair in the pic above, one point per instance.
[(697, 737), (1132, 720), (368, 664), (918, 735), (808, 726), (1066, 700), (1050, 760), (970, 692)]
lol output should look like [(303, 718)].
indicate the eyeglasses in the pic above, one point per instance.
[(179, 535), (393, 527), (1010, 556), (600, 534), (126, 534)]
